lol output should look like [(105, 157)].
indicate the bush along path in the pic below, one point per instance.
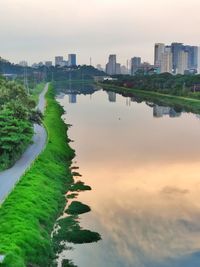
[(34, 209), (10, 177)]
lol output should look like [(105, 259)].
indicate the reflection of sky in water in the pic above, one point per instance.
[(145, 175)]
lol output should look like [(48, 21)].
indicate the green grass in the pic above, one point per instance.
[(187, 103), (28, 215), (77, 207)]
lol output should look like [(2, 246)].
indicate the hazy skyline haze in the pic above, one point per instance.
[(39, 30)]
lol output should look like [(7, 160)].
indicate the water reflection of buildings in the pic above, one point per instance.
[(72, 98), (160, 111), (111, 96)]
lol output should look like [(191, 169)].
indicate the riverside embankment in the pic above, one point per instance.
[(186, 103), (28, 215)]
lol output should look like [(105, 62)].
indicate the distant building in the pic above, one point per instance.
[(63, 63), (118, 68), (166, 61), (124, 70), (176, 55), (71, 60), (146, 69), (176, 48), (58, 60), (48, 64), (111, 65), (135, 64), (182, 64), (159, 49), (23, 63), (198, 60), (192, 56)]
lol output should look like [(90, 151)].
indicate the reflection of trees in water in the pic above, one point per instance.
[(75, 88), (159, 108)]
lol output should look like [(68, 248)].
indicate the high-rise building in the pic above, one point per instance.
[(58, 60), (182, 62), (48, 64), (71, 60), (135, 64), (176, 49), (118, 68), (158, 51), (111, 65), (166, 61), (124, 70), (192, 56), (198, 60)]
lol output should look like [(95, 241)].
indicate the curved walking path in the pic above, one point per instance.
[(10, 177)]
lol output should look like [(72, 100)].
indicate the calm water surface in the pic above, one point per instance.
[(143, 164)]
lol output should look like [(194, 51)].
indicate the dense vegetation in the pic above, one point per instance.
[(26, 225), (17, 115), (167, 83), (80, 73)]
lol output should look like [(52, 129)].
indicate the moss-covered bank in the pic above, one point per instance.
[(28, 215), (185, 103)]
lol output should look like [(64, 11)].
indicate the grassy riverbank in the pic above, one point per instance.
[(188, 104), (28, 215)]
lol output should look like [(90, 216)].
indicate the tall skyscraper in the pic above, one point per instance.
[(135, 64), (166, 61), (158, 51), (198, 60), (71, 60), (58, 60), (176, 49), (118, 68), (182, 62), (111, 65), (192, 56), (172, 58)]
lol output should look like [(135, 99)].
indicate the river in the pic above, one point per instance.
[(143, 164)]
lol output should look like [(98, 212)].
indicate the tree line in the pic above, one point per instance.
[(183, 85), (17, 115)]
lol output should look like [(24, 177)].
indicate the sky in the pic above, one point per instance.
[(38, 30)]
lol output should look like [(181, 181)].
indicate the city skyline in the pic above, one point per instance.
[(36, 31)]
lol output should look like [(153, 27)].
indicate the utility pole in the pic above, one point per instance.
[(26, 80), (127, 66)]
